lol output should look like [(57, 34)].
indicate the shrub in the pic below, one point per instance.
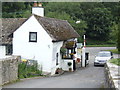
[(62, 50), (118, 42), (115, 61), (26, 71)]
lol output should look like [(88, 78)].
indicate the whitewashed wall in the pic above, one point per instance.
[(65, 66), (41, 51), (2, 51), (56, 49)]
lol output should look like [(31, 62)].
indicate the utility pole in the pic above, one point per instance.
[(83, 49), (83, 53)]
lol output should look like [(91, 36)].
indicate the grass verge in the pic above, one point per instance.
[(114, 51), (100, 45), (115, 61)]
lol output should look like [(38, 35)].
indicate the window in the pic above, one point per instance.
[(9, 50), (104, 54), (68, 54), (56, 58), (32, 36)]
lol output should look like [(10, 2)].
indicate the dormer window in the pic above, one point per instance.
[(32, 36)]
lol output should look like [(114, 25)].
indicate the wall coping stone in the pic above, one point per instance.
[(11, 57), (114, 74)]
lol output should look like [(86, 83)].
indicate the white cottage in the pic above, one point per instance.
[(9, 25), (38, 38)]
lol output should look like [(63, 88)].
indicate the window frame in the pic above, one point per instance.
[(67, 53), (30, 33), (9, 49)]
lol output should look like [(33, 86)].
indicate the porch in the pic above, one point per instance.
[(70, 56)]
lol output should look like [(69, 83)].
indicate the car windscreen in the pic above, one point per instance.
[(103, 55)]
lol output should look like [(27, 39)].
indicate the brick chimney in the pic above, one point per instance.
[(37, 9)]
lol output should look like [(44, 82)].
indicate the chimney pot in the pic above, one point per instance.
[(37, 9), (39, 4), (35, 4)]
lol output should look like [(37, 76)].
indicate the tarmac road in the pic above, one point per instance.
[(89, 77)]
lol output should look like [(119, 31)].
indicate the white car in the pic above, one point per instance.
[(103, 57)]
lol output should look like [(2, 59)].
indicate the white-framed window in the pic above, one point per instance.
[(32, 36)]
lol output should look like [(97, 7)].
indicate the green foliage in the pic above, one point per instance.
[(16, 9), (61, 15), (62, 50), (104, 45), (98, 42), (114, 51), (118, 41), (98, 20), (114, 33), (114, 7), (26, 71), (64, 11), (81, 29), (115, 61), (27, 14), (12, 7)]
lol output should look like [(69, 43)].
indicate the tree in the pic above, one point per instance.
[(73, 9), (114, 8), (99, 22), (13, 6), (80, 27), (67, 11), (118, 41), (114, 33), (16, 9)]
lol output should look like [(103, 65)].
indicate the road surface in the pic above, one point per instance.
[(89, 77)]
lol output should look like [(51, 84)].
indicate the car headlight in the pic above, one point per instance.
[(96, 60)]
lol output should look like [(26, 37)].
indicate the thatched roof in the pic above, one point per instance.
[(9, 25), (59, 30)]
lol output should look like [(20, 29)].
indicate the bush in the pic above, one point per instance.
[(118, 42), (115, 61), (98, 42), (63, 50), (114, 51), (26, 71)]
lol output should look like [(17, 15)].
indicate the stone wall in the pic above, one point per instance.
[(112, 76), (9, 69)]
